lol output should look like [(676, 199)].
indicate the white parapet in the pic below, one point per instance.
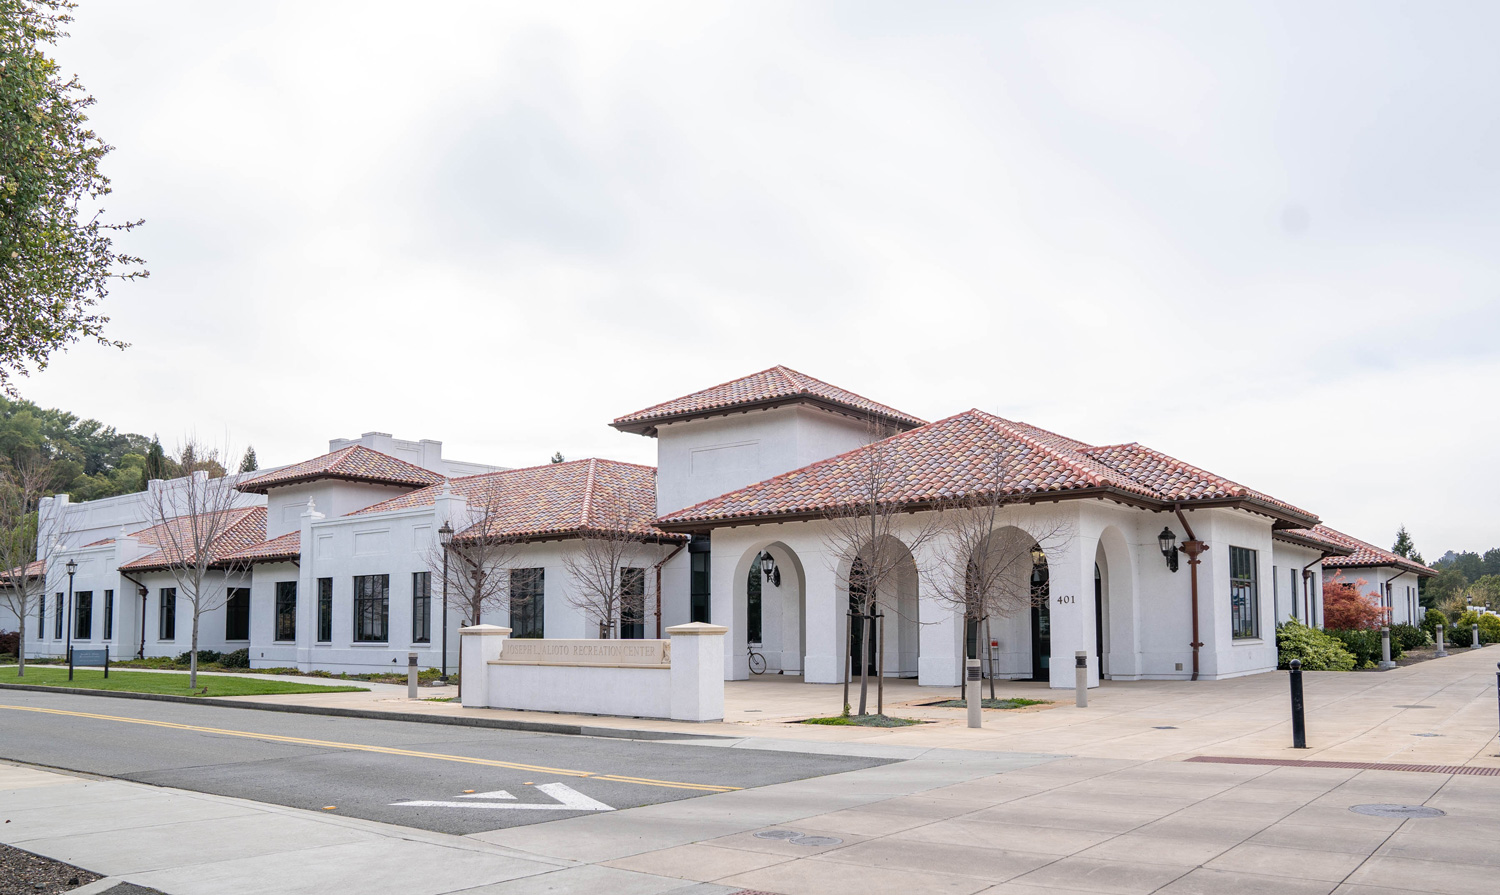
[(481, 645), (697, 672)]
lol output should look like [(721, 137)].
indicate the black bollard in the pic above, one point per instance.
[(1299, 726)]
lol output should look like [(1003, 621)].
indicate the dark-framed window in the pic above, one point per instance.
[(166, 614), (325, 610), (632, 603), (752, 602), (700, 598), (1244, 594), (57, 618), (1291, 580), (421, 607), (372, 608), (41, 618), (109, 615), (286, 611), (528, 602), (83, 615), (237, 614)]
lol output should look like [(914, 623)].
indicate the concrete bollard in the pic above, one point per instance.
[(1474, 644), (411, 675), (1440, 651), (1081, 680), (1299, 723), (976, 698), (1385, 649)]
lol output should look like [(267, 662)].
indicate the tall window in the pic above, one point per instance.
[(528, 602), (752, 607), (57, 619), (421, 607), (632, 604), (286, 611), (325, 610), (1275, 592), (1291, 580), (83, 615), (237, 614), (1244, 597), (166, 614), (41, 618), (699, 596), (109, 615), (372, 608)]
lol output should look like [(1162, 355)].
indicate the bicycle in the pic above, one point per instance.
[(757, 661)]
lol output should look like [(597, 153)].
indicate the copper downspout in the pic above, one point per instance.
[(1193, 548), (657, 567), (141, 654), (1307, 589)]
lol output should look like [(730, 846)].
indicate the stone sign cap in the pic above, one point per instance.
[(616, 653), (485, 630), (697, 628)]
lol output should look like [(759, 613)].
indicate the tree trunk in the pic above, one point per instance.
[(193, 659), (848, 652), (864, 664), (21, 646), (880, 668)]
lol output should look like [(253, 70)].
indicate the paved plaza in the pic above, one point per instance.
[(1044, 801)]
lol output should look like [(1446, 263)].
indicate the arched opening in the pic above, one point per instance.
[(884, 582), (772, 591), (1114, 606)]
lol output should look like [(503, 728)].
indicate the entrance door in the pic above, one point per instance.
[(1098, 620), (1041, 623), (858, 603)]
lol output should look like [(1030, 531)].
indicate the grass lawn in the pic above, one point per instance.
[(863, 721), (1015, 703), (150, 682)]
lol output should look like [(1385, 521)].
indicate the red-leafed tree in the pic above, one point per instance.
[(1345, 608)]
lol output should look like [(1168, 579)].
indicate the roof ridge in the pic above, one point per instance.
[(588, 494), (1234, 488), (1035, 443)]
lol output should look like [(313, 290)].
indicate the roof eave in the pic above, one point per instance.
[(1325, 547), (323, 476)]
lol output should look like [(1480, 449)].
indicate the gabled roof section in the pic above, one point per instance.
[(245, 527), (285, 548), (557, 500), (775, 387), (37, 568), (1362, 554), (977, 454), (355, 463), (1308, 537)]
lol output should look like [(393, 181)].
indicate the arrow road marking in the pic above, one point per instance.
[(568, 799), (497, 794)]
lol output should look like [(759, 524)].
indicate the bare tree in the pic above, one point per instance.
[(984, 565), (193, 518), (873, 538), (477, 558), (608, 568), (27, 544)]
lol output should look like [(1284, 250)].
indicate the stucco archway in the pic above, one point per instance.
[(777, 613), (896, 598)]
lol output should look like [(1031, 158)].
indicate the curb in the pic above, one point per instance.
[(373, 715)]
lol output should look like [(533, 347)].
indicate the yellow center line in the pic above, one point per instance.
[(384, 750)]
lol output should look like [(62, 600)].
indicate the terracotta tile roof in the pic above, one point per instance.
[(37, 568), (1307, 537), (1364, 554), (977, 453), (556, 500), (278, 549), (768, 388), (355, 463), (245, 527)]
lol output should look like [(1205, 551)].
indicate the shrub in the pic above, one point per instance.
[(205, 657), (1409, 637), (10, 642), (1346, 609), (240, 658), (1316, 650), (1364, 644), (1461, 633), (1431, 620)]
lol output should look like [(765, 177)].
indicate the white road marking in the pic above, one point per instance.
[(497, 794), (568, 799)]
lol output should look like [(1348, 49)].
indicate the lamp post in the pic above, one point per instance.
[(445, 538), (72, 568)]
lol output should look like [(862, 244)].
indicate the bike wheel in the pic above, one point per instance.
[(757, 663)]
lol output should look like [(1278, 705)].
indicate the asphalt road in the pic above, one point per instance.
[(480, 779)]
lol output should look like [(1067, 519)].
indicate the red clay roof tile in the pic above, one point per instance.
[(355, 463), (245, 527), (1363, 553)]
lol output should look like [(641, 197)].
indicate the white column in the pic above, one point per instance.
[(697, 682), (941, 631), (825, 624), (307, 589), (482, 645), (1070, 584), (728, 608)]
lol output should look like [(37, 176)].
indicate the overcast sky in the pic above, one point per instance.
[(1260, 237)]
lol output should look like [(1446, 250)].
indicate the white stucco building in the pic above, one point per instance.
[(335, 559)]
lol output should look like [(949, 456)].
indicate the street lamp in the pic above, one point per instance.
[(445, 538), (1167, 540), (72, 568)]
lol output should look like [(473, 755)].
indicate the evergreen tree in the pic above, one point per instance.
[(1405, 547), (249, 464), (156, 463)]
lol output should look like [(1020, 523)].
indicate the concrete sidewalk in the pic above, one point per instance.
[(1436, 712)]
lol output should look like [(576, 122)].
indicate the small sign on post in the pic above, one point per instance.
[(976, 704), (88, 658), (1081, 679), (411, 675)]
